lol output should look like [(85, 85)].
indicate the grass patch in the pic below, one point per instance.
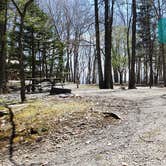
[(36, 118), (2, 108), (39, 110)]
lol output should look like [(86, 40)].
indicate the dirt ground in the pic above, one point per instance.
[(137, 139)]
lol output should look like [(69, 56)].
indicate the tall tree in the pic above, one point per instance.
[(22, 13), (98, 55), (132, 68), (108, 44), (3, 23)]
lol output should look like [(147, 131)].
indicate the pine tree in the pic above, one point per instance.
[(22, 14)]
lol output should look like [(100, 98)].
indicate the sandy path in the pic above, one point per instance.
[(139, 140)]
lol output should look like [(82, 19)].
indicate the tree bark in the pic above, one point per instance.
[(98, 54), (68, 54), (76, 50), (108, 43), (116, 77), (33, 62), (164, 63), (139, 70), (3, 24), (94, 69), (132, 69), (121, 77), (21, 60), (150, 48)]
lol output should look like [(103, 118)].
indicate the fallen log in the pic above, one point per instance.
[(56, 91)]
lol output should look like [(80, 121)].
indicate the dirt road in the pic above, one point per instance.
[(139, 139)]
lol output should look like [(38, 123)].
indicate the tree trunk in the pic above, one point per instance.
[(52, 63), (108, 43), (146, 70), (139, 71), (98, 54), (159, 64), (33, 62), (88, 79), (116, 77), (94, 70), (3, 23), (68, 55), (75, 63), (164, 64), (121, 77), (21, 60), (71, 69), (150, 48), (128, 37), (132, 69)]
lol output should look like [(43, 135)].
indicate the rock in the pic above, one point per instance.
[(21, 139), (124, 164), (22, 130), (88, 142), (109, 144), (110, 114), (39, 139), (3, 123), (58, 146)]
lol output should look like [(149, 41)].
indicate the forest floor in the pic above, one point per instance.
[(79, 131)]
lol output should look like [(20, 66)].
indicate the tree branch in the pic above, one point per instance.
[(27, 4), (18, 9), (25, 7)]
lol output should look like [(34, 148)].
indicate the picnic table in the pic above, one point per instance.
[(36, 83)]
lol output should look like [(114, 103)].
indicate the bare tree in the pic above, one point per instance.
[(72, 20)]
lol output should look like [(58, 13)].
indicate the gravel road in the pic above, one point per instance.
[(139, 139)]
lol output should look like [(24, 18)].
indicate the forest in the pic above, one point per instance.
[(74, 69)]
